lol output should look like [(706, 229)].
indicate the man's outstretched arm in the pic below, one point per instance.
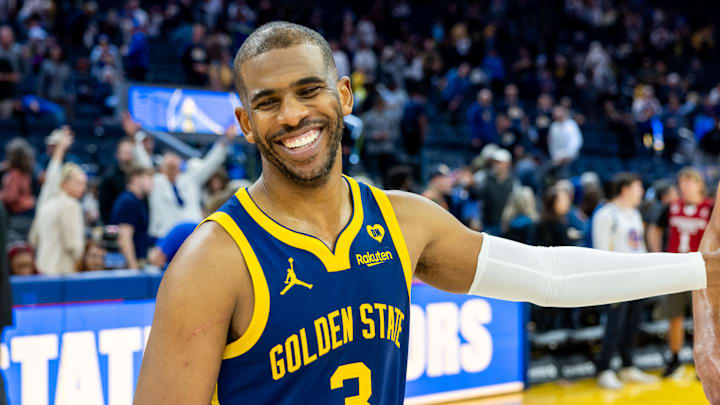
[(706, 315), (194, 310), (451, 257)]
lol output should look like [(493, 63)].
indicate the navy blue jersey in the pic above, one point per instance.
[(328, 327)]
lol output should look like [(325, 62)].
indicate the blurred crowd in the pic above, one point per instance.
[(135, 215)]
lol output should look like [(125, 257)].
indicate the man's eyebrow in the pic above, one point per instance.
[(262, 93), (308, 80)]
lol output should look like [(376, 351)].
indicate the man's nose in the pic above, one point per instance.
[(292, 111)]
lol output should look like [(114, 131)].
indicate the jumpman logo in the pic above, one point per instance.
[(292, 279)]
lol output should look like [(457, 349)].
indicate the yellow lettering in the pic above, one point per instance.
[(381, 309), (277, 366), (368, 333), (303, 341), (359, 258), (347, 322), (390, 323), (334, 329), (323, 336), (398, 326), (292, 352)]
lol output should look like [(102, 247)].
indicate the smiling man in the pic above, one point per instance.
[(297, 290)]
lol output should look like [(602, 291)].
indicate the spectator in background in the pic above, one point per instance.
[(576, 218), (215, 188), (16, 192), (341, 60), (542, 120), (195, 58), (440, 186), (365, 61), (414, 122), (51, 145), (21, 259), (113, 183), (137, 53), (494, 190), (381, 132), (6, 318), (131, 214), (10, 70), (93, 257), (55, 80), (618, 226), (177, 195), (564, 139), (552, 229), (63, 139), (164, 251), (220, 72), (105, 54), (59, 231), (481, 120), (685, 220), (520, 216), (512, 107)]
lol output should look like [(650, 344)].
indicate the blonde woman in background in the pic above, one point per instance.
[(520, 216)]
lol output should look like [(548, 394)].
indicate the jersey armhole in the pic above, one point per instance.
[(261, 307), (395, 232)]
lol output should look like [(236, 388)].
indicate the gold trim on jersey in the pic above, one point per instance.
[(215, 400), (338, 260), (261, 308), (395, 233)]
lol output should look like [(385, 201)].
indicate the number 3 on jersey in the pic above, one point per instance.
[(349, 371)]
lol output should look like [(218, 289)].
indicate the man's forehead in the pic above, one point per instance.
[(281, 67)]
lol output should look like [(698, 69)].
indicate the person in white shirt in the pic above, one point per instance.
[(564, 138), (617, 226), (59, 231), (177, 195)]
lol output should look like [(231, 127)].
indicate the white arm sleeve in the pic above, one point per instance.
[(574, 277)]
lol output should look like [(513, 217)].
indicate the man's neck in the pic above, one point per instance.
[(136, 191), (322, 210), (623, 203), (693, 200)]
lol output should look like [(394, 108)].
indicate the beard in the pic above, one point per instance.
[(320, 175)]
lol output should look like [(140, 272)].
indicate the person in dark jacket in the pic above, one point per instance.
[(113, 183)]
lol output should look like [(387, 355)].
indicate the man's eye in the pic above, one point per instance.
[(309, 91), (266, 103)]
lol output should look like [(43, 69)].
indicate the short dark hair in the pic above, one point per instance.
[(622, 180), (278, 35)]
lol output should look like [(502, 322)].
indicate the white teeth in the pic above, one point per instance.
[(301, 140)]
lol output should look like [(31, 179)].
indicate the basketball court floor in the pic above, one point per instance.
[(684, 390)]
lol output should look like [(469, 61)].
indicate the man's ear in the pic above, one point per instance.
[(346, 95), (244, 120)]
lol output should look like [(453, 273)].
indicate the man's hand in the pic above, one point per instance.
[(67, 137), (706, 312), (130, 126)]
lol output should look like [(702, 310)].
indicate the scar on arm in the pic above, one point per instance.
[(206, 326)]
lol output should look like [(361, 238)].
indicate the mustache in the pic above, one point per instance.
[(303, 124)]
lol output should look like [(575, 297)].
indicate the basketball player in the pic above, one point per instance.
[(686, 219), (223, 334)]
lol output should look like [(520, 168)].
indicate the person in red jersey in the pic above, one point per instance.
[(685, 220)]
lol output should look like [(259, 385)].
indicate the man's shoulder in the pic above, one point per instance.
[(209, 250)]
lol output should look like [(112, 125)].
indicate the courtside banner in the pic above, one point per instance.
[(89, 353), (183, 110), (84, 354), (463, 346)]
